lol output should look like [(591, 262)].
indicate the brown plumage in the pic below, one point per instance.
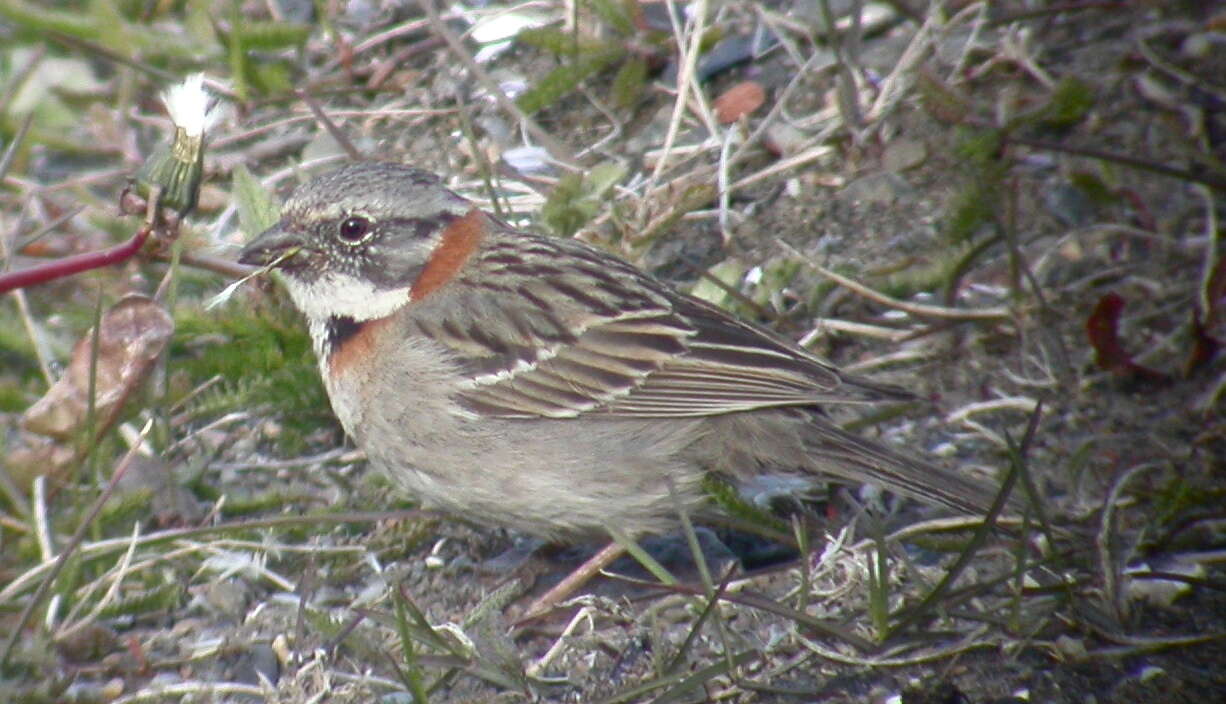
[(542, 384)]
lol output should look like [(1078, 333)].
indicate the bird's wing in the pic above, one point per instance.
[(596, 336)]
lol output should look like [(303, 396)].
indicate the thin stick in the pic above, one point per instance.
[(999, 313), (74, 264), (336, 133), (573, 581), (684, 78)]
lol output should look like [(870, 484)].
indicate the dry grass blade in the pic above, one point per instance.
[(685, 80), (765, 603), (697, 680), (226, 293), (936, 596), (684, 685), (101, 548), (339, 135), (70, 549), (927, 311)]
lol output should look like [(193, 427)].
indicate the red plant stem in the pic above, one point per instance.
[(74, 264)]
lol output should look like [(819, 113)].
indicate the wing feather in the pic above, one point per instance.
[(600, 337)]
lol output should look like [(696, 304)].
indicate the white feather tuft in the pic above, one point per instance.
[(191, 106)]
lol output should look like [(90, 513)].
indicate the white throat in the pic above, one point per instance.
[(335, 294)]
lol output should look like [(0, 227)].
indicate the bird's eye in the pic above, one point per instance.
[(355, 229)]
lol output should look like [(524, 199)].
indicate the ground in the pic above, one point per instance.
[(1026, 199)]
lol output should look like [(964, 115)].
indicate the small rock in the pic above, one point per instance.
[(876, 189), (783, 139), (259, 660), (902, 154)]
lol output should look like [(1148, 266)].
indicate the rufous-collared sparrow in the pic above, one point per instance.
[(542, 384)]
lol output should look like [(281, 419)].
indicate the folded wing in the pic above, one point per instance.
[(599, 337)]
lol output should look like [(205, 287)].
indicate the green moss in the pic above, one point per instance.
[(729, 500), (1069, 103), (265, 362)]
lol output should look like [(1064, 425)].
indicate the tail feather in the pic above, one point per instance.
[(838, 452)]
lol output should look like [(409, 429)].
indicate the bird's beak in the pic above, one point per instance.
[(271, 247)]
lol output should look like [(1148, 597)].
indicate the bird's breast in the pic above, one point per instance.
[(350, 356), (349, 345)]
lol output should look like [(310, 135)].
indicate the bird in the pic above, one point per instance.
[(544, 385)]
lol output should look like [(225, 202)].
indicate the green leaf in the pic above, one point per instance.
[(270, 36), (578, 198), (257, 208), (237, 57), (266, 360), (728, 499), (603, 177), (30, 17), (1069, 103), (629, 82), (616, 14), (564, 79), (693, 198), (1093, 186), (977, 203), (559, 42), (941, 101), (982, 146), (271, 78), (559, 212), (100, 23), (730, 272)]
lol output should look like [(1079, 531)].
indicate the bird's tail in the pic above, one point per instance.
[(838, 452)]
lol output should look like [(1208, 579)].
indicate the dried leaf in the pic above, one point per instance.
[(1205, 347), (1215, 296), (131, 336), (1102, 327), (28, 456), (739, 100)]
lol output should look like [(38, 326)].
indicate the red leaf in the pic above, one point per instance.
[(1204, 346), (1102, 327), (1215, 293)]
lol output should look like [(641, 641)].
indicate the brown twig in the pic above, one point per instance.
[(1208, 179), (340, 137), (75, 264), (109, 54), (1057, 9), (384, 68)]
